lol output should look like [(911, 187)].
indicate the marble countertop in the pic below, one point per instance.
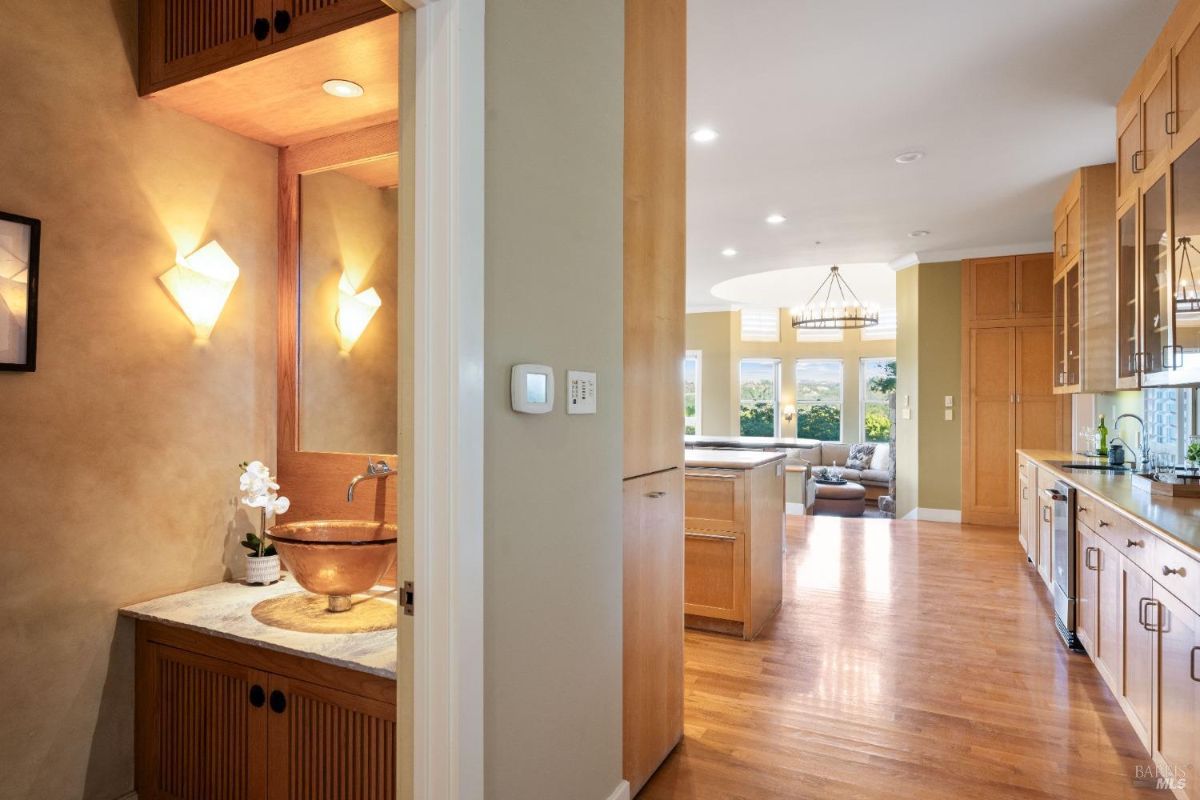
[(226, 610), (747, 442), (730, 459), (1176, 519)]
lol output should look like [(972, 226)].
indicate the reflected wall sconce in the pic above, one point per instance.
[(789, 412), (201, 284), (354, 312)]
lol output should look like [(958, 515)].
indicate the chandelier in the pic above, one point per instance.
[(1186, 301), (843, 311)]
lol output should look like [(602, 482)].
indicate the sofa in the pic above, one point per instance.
[(825, 454)]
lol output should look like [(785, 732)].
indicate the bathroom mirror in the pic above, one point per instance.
[(347, 308)]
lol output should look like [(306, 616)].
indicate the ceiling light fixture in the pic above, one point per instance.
[(776, 219), (729, 252), (917, 234), (909, 156), (342, 88), (828, 312), (704, 135)]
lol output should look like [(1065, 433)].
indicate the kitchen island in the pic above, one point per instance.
[(733, 539)]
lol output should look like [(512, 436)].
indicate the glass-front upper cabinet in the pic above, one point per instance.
[(1073, 326), (1158, 356), (1185, 217), (1127, 311), (1060, 334)]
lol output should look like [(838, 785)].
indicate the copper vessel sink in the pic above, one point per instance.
[(336, 558)]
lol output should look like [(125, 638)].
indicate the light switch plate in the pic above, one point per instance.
[(949, 402), (581, 392), (949, 414), (905, 413)]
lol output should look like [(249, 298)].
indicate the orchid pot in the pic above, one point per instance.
[(262, 570)]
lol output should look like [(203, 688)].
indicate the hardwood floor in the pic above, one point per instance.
[(909, 660)]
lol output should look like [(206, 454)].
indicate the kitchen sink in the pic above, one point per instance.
[(1097, 467)]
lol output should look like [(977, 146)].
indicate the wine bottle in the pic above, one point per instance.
[(1102, 448)]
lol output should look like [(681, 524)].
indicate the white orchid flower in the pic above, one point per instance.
[(279, 505)]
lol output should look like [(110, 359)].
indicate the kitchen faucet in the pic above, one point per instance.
[(375, 471), (1143, 442)]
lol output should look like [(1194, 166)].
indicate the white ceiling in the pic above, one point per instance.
[(813, 99)]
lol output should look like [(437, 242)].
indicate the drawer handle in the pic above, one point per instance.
[(1193, 664), (716, 537), (655, 495), (1180, 571), (1087, 554), (1132, 543), (725, 476), (1103, 524), (1084, 509)]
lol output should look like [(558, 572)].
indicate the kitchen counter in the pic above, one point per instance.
[(1176, 519), (747, 442), (729, 459), (227, 610)]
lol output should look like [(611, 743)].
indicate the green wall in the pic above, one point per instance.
[(908, 324), (940, 374)]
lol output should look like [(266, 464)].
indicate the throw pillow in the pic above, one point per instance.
[(860, 456)]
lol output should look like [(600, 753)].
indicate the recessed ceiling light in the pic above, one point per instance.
[(703, 135), (729, 252), (776, 219), (909, 156), (917, 234), (340, 88)]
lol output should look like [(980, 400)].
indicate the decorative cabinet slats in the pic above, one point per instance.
[(184, 39), (219, 720)]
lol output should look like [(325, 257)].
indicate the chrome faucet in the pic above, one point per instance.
[(375, 471), (1143, 442)]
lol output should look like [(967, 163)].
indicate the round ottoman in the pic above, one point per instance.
[(841, 500)]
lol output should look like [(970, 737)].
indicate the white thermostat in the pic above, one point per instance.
[(532, 389), (581, 392)]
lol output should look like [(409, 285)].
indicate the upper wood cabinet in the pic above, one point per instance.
[(1009, 288), (179, 40), (1185, 71)]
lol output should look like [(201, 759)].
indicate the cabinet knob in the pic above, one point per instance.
[(257, 696), (655, 495), (1180, 571), (278, 702), (1133, 543), (1102, 524), (283, 21), (262, 28)]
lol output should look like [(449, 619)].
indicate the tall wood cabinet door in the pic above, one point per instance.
[(1036, 406), (201, 727), (653, 621), (1129, 155), (1034, 274), (1185, 122), (989, 474), (180, 39), (1087, 565), (293, 19), (992, 285), (1178, 696), (324, 744), (1138, 685), (1156, 106), (1109, 616), (1074, 233), (1025, 515)]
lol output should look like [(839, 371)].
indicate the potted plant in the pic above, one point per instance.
[(1193, 453), (259, 490)]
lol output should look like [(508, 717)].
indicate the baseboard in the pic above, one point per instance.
[(795, 509), (621, 792), (935, 515), (130, 796)]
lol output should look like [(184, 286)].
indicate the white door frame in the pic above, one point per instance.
[(448, 401)]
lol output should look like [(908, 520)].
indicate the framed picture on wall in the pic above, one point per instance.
[(20, 240)]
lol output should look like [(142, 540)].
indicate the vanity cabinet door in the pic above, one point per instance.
[(311, 18), (1178, 697), (181, 40), (1109, 617), (1087, 569), (1140, 613), (201, 727), (325, 744)]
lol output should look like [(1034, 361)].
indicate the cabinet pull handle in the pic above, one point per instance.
[(1171, 122), (278, 702), (262, 28), (1087, 554), (1134, 160), (716, 537), (655, 495), (1192, 666), (1132, 543), (1144, 605), (1175, 359), (1180, 571), (1024, 492), (257, 696), (1045, 513), (725, 476), (1062, 250), (283, 21)]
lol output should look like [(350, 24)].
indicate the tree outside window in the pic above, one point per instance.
[(878, 388), (758, 397), (819, 399), (691, 392)]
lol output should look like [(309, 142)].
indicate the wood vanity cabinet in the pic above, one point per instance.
[(179, 40), (221, 719)]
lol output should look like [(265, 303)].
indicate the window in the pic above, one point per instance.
[(691, 392), (886, 329), (758, 382), (819, 334), (819, 399), (760, 324), (1168, 423), (878, 383)]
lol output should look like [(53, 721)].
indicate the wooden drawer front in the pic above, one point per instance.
[(715, 500), (1128, 539), (714, 574), (1177, 572)]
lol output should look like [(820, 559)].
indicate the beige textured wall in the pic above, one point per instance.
[(940, 374), (908, 358), (720, 334), (552, 489), (118, 456), (347, 402)]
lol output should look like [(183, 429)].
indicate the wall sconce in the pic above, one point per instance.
[(354, 312), (201, 284), (789, 412)]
